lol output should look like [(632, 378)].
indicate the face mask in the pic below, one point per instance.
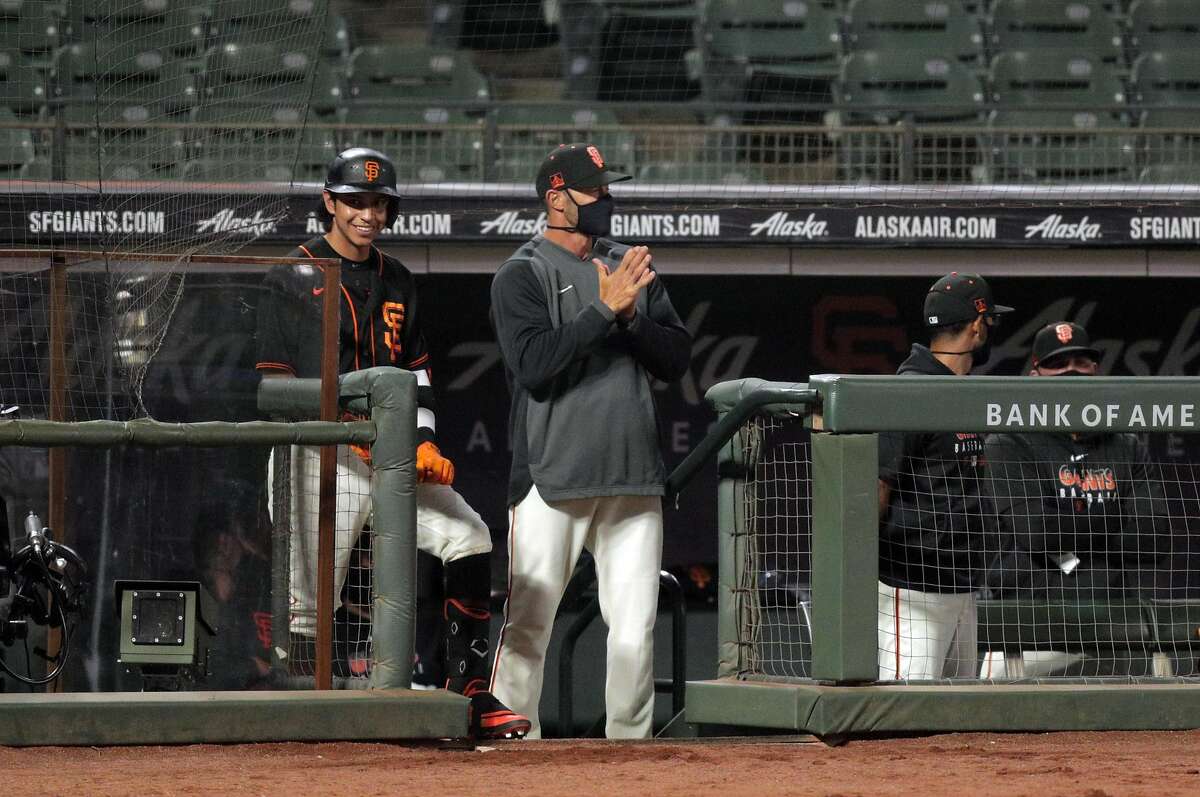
[(595, 219), (1072, 373)]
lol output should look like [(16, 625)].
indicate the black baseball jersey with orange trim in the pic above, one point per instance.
[(938, 526), (379, 315)]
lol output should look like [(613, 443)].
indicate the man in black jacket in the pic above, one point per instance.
[(932, 520), (1084, 510)]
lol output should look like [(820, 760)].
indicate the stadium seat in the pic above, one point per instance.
[(22, 86), (427, 144), (308, 26), (768, 37), (258, 74), (403, 73), (524, 135), (943, 27), (16, 147), (1164, 26), (114, 78), (31, 27), (1172, 174), (1064, 26), (1166, 86), (699, 172), (1058, 119), (644, 46), (302, 156), (886, 88), (180, 27)]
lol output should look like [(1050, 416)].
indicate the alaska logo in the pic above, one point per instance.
[(557, 181), (596, 157), (371, 170), (981, 305), (1090, 485)]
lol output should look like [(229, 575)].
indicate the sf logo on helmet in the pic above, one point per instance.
[(596, 157), (1063, 332), (371, 170)]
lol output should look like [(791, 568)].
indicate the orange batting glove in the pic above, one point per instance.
[(432, 466)]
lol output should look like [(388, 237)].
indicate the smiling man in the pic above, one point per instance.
[(380, 326)]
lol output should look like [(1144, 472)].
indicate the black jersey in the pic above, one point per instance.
[(380, 321), (1085, 512), (379, 315), (934, 536)]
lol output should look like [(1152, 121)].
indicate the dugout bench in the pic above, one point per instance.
[(1160, 631)]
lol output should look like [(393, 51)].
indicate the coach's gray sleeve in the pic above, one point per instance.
[(534, 349)]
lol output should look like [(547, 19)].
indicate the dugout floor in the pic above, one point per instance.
[(1163, 764)]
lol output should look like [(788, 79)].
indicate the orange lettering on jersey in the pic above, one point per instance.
[(393, 320)]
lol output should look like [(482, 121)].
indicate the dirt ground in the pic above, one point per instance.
[(1162, 764)]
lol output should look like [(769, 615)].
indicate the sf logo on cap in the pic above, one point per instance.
[(371, 170), (1063, 332), (596, 157)]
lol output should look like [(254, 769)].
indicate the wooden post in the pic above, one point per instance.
[(328, 490), (57, 489)]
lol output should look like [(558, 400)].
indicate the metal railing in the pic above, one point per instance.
[(478, 149)]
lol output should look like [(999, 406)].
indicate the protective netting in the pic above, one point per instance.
[(353, 571), (1049, 557)]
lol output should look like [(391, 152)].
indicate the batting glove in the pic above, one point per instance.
[(432, 466)]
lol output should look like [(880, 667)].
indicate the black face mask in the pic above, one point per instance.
[(982, 354), (1072, 373), (595, 218)]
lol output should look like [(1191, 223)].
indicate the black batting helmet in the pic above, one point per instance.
[(360, 170)]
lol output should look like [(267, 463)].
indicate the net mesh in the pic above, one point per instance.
[(1073, 562)]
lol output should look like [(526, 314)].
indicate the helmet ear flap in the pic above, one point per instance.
[(393, 210)]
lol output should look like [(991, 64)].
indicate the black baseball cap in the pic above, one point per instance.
[(960, 297), (1062, 337), (577, 165)]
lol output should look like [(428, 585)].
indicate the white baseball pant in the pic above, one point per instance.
[(624, 534), (1031, 664), (447, 526), (926, 635)]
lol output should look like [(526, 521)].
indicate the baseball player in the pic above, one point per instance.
[(584, 326), (380, 326), (931, 532), (1084, 510)]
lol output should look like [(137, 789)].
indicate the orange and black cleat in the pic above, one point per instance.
[(491, 719)]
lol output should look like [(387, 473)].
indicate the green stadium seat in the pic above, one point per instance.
[(16, 146), (939, 96), (180, 27), (258, 75), (651, 9), (32, 27), (943, 26), (1164, 26), (302, 156), (524, 134), (1057, 120), (1070, 26), (307, 25), (771, 37), (113, 75), (407, 74), (430, 144), (1167, 85), (701, 173), (22, 85), (1171, 174)]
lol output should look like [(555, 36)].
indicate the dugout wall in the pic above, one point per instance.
[(837, 693)]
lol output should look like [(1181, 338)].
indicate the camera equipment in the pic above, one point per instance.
[(42, 583), (166, 630)]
